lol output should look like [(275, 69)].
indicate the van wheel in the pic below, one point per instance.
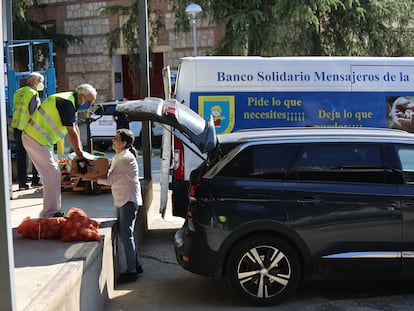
[(263, 270)]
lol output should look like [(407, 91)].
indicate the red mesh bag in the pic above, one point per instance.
[(29, 229), (76, 211), (79, 227), (45, 228)]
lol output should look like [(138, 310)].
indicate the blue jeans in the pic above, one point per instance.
[(126, 223)]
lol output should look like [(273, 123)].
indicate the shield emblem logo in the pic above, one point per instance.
[(222, 108)]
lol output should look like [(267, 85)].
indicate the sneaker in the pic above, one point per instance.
[(37, 184), (127, 277), (23, 186), (59, 214)]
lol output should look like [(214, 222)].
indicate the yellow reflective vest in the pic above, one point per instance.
[(21, 101), (45, 126)]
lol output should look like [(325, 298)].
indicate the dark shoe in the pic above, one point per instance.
[(127, 277), (139, 270), (59, 214), (37, 184), (23, 186)]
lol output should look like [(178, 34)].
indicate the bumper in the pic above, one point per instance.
[(180, 198), (194, 255)]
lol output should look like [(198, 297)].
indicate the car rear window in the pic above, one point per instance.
[(270, 161), (339, 162), (333, 162), (406, 155)]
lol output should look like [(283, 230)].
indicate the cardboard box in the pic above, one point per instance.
[(97, 168)]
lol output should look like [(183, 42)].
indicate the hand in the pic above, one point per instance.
[(402, 114), (83, 166)]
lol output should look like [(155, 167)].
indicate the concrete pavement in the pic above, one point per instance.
[(51, 275)]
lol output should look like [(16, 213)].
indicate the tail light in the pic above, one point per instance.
[(191, 199), (199, 191), (192, 190), (187, 259), (178, 164)]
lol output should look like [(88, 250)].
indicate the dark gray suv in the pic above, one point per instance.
[(283, 206)]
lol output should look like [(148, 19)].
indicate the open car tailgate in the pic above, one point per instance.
[(200, 132)]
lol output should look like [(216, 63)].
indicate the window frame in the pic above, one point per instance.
[(382, 168)]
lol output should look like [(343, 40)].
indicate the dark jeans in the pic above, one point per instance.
[(126, 223), (21, 157)]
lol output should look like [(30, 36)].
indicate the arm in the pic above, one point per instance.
[(67, 115), (33, 104), (124, 170), (401, 113), (74, 139)]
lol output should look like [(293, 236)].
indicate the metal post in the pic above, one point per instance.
[(145, 85), (89, 144), (195, 36), (7, 285), (192, 10)]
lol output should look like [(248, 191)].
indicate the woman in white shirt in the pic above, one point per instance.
[(126, 191)]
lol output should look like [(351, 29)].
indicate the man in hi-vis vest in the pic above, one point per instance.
[(48, 125), (25, 101)]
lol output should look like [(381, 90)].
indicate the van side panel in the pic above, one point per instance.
[(255, 92), (258, 92)]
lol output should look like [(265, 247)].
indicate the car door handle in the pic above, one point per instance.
[(309, 201)]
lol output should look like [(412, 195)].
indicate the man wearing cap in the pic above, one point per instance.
[(50, 123), (25, 101)]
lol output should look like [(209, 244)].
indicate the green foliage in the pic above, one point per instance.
[(24, 29), (308, 27), (129, 31), (29, 30)]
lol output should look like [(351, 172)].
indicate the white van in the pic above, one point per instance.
[(258, 92), (103, 127)]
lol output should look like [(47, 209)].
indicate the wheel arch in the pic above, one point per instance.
[(270, 228)]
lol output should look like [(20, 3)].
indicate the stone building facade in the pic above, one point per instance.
[(89, 62)]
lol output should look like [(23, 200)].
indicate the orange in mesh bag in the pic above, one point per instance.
[(45, 228), (76, 211), (79, 227)]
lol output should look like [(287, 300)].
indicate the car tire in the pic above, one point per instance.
[(248, 273)]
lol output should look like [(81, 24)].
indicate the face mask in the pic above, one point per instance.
[(84, 107), (40, 87)]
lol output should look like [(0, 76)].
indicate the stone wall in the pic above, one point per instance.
[(89, 62)]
